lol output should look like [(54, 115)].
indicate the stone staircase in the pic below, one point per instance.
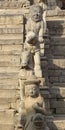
[(56, 69), (11, 39), (11, 42)]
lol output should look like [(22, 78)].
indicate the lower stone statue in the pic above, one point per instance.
[(31, 113)]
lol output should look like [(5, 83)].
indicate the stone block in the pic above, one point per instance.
[(11, 19), (60, 110), (58, 50), (4, 83), (58, 40), (57, 104), (59, 62), (11, 49), (58, 92), (16, 41), (11, 36), (8, 95), (57, 123), (6, 126), (53, 79), (9, 60), (54, 72), (58, 85), (7, 117)]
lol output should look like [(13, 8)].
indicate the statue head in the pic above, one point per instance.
[(31, 90), (31, 37), (36, 12)]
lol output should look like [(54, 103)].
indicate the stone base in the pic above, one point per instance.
[(56, 122), (38, 73), (24, 74)]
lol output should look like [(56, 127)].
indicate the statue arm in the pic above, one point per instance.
[(43, 27), (41, 32), (28, 26), (38, 108)]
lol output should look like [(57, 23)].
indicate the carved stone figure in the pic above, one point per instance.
[(36, 28), (32, 51), (35, 23), (33, 104)]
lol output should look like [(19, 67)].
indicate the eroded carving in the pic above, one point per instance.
[(32, 110), (34, 43)]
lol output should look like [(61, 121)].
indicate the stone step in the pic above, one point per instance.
[(7, 117), (56, 63), (57, 123), (10, 41), (5, 75), (11, 103), (56, 78), (10, 36), (8, 94), (56, 22), (58, 40), (9, 99), (9, 60), (58, 104), (11, 29), (58, 50), (6, 126), (10, 49), (9, 69), (56, 27), (59, 85), (8, 82), (11, 19), (57, 92)]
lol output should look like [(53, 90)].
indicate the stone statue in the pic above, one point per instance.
[(36, 28), (31, 51), (33, 104)]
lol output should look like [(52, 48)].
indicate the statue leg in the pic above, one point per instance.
[(37, 63), (25, 58)]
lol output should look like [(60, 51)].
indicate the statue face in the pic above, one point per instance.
[(36, 13), (32, 90)]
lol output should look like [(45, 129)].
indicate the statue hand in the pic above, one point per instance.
[(35, 106), (41, 39)]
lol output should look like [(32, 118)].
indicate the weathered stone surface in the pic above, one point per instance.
[(14, 4), (58, 123), (6, 126), (10, 49), (9, 60), (58, 50), (58, 62), (58, 92), (11, 19), (7, 117), (60, 110)]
